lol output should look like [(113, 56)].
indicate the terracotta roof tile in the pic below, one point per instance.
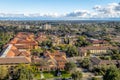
[(14, 60)]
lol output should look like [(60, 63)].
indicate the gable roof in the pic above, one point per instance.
[(14, 60), (97, 61)]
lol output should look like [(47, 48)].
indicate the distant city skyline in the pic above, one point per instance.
[(60, 9)]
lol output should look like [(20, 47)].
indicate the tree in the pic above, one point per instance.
[(70, 66), (85, 63), (113, 73), (66, 40), (36, 52), (3, 72), (77, 75), (115, 54), (47, 43), (4, 38), (23, 72), (115, 51), (62, 47), (100, 70), (72, 51), (95, 78), (82, 42)]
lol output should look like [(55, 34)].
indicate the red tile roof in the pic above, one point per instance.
[(14, 60)]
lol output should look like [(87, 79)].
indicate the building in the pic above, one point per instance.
[(116, 39), (96, 47), (17, 51), (51, 61), (13, 61), (41, 37), (24, 41), (97, 42), (11, 56), (46, 27), (95, 50), (55, 40), (96, 62)]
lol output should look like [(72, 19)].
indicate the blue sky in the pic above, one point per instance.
[(52, 6)]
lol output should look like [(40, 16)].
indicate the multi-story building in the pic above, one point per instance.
[(46, 27), (96, 62), (54, 60), (41, 37), (97, 47), (17, 51), (24, 41), (11, 56)]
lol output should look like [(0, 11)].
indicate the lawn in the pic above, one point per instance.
[(52, 75), (65, 74), (48, 75)]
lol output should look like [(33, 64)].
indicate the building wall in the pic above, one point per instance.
[(98, 51)]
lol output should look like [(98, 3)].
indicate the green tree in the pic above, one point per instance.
[(115, 51), (3, 72), (72, 51), (66, 40), (116, 56), (113, 73), (77, 75), (85, 63), (36, 52), (62, 47), (82, 42), (23, 72), (47, 43), (70, 66), (95, 78)]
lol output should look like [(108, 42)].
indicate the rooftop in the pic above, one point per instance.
[(14, 60), (6, 50)]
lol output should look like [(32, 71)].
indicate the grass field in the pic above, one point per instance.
[(51, 74)]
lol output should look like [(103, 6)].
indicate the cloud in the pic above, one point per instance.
[(111, 10), (117, 8), (11, 15), (78, 14)]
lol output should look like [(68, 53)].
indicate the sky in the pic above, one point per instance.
[(65, 9)]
